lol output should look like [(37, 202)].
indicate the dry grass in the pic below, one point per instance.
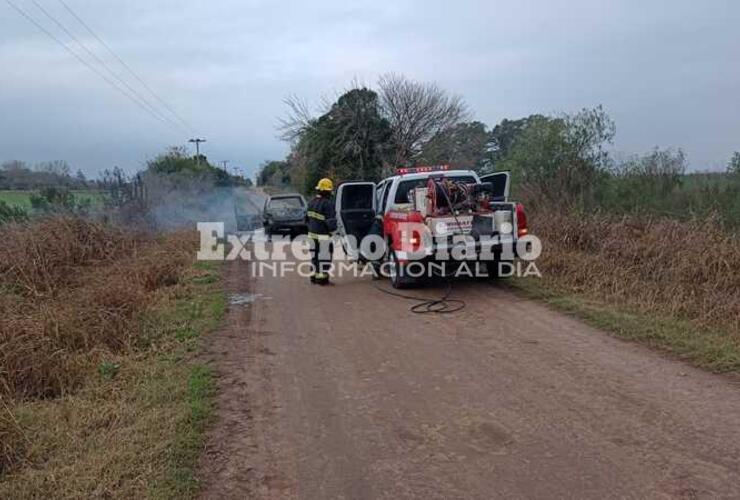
[(689, 271), (13, 440), (73, 291), (40, 258), (81, 356), (129, 437)]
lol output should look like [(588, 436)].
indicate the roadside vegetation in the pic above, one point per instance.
[(47, 187), (674, 285), (100, 393), (102, 307), (172, 184), (639, 242), (639, 248), (560, 161)]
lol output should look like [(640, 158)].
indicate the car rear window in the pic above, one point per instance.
[(280, 203), (402, 194)]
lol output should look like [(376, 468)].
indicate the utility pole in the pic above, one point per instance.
[(197, 142)]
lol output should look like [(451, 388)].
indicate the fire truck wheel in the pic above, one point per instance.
[(494, 269), (398, 275)]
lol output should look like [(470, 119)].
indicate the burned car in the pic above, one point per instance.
[(285, 213)]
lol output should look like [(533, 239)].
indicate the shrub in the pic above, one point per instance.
[(11, 213), (59, 200)]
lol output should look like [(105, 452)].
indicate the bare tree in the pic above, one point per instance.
[(56, 167), (417, 112), (296, 121)]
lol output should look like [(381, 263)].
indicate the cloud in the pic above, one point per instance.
[(666, 71)]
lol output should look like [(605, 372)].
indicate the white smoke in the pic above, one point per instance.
[(182, 205)]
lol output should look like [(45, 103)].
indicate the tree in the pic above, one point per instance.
[(350, 141), (80, 178), (648, 183), (18, 175), (112, 178), (185, 172), (361, 135), (176, 160), (536, 155), (587, 133), (57, 167), (296, 121), (561, 159), (416, 113), (733, 167), (274, 173), (505, 133), (661, 168), (465, 145), (14, 165)]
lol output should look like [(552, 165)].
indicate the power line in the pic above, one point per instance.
[(83, 61), (113, 84), (102, 63), (126, 66)]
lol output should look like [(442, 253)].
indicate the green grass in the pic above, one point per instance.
[(714, 350), (188, 321), (23, 198), (17, 198), (96, 197), (181, 482)]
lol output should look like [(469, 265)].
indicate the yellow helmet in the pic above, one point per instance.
[(325, 185)]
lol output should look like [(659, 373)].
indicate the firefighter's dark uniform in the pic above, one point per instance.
[(322, 221)]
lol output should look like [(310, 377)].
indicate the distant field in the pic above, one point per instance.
[(23, 198), (17, 198)]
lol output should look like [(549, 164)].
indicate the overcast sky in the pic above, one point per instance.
[(668, 72)]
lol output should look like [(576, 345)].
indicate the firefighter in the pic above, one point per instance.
[(322, 222)]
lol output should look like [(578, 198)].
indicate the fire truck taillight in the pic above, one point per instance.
[(521, 220)]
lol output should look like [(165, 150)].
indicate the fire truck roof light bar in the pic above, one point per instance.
[(418, 170)]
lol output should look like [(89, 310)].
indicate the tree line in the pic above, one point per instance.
[(52, 188), (556, 161), (18, 175)]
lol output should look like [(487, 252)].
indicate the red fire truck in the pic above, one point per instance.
[(432, 218)]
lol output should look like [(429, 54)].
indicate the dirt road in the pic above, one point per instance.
[(343, 393)]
